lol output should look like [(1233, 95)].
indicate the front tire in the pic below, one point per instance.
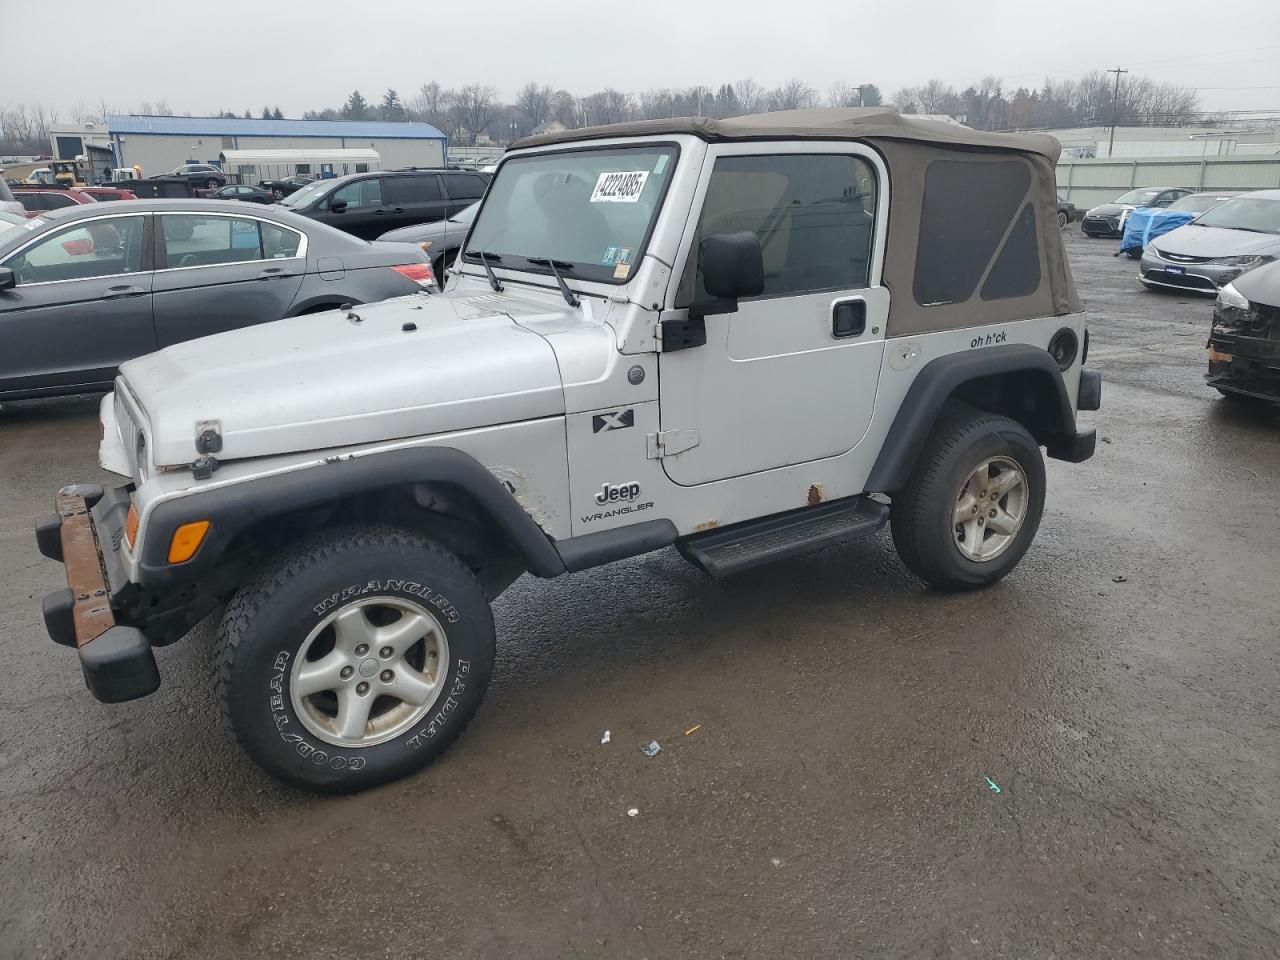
[(354, 658), (1062, 220), (972, 504)]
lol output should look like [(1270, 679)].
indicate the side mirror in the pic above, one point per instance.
[(732, 268), (337, 206), (8, 279)]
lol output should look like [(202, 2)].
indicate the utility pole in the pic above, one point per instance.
[(1115, 105)]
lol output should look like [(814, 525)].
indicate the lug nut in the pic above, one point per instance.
[(386, 676), (362, 649), (346, 673), (362, 688), (385, 653), (993, 514)]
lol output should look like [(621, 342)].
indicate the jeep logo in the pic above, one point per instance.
[(613, 492)]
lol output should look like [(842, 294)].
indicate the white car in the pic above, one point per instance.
[(724, 336)]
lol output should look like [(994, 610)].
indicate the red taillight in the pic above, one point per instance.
[(419, 273)]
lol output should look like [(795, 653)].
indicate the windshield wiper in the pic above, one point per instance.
[(565, 292), (494, 285)]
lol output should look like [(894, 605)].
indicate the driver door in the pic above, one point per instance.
[(81, 307), (791, 376)]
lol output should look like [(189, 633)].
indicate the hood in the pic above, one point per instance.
[(1110, 209), (322, 381), (1261, 285), (1194, 240), (417, 232)]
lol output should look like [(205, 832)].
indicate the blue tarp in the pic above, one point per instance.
[(1147, 223)]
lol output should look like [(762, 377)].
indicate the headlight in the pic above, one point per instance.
[(1254, 260), (1149, 250), (1230, 297)]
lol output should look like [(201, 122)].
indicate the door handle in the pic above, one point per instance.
[(116, 293), (848, 318), (272, 273), (380, 213), (397, 210)]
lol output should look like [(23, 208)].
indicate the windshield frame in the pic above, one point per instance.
[(517, 263)]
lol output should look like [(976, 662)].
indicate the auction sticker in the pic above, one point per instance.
[(620, 187)]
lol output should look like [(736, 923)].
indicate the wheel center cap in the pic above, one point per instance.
[(368, 668)]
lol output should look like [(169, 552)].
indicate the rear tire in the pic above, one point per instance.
[(1062, 220), (354, 658), (987, 468)]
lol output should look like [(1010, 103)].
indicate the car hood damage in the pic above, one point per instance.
[(412, 366)]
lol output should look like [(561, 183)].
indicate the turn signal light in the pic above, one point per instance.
[(131, 525), (419, 273), (186, 540)]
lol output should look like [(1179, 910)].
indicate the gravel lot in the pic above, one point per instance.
[(1119, 688)]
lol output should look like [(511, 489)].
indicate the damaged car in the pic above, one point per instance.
[(1244, 344)]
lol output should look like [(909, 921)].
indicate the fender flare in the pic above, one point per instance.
[(934, 386), (234, 508)]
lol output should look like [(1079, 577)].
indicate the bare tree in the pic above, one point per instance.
[(565, 108), (474, 108), (534, 103), (751, 96), (793, 95), (656, 104)]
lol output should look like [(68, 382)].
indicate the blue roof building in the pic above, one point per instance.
[(158, 144)]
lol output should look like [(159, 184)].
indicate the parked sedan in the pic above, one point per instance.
[(440, 240), (238, 191), (1234, 237), (39, 200), (289, 185), (1066, 213), (1107, 219), (93, 286)]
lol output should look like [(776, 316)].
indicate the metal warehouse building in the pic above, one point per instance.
[(158, 144)]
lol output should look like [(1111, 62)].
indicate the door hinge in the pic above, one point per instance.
[(668, 443)]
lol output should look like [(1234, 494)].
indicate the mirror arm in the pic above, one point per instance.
[(710, 308)]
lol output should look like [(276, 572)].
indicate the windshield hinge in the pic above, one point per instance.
[(667, 443)]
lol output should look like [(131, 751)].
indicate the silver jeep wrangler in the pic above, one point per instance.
[(718, 335)]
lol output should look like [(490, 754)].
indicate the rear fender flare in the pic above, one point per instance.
[(938, 382)]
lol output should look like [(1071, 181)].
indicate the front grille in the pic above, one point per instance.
[(1187, 280), (128, 428), (1182, 257), (1100, 223)]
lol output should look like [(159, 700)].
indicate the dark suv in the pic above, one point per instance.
[(369, 204)]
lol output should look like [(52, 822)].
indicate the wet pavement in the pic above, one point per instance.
[(837, 801)]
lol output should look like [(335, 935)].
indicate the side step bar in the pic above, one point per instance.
[(753, 542)]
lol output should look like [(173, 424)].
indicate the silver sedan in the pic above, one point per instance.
[(1234, 237)]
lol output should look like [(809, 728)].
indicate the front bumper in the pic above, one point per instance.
[(116, 660), (1245, 365), (1102, 226), (1205, 278)]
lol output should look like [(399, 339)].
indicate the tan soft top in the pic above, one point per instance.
[(971, 214), (847, 123)]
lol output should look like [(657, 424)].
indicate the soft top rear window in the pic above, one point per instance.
[(969, 208)]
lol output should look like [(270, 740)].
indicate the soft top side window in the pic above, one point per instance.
[(814, 215)]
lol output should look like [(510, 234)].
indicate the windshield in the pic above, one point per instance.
[(1244, 213), (1138, 198), (1197, 204), (303, 197), (590, 209)]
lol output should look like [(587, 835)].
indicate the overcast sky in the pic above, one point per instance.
[(305, 54)]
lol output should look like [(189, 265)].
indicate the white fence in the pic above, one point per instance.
[(1086, 183)]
